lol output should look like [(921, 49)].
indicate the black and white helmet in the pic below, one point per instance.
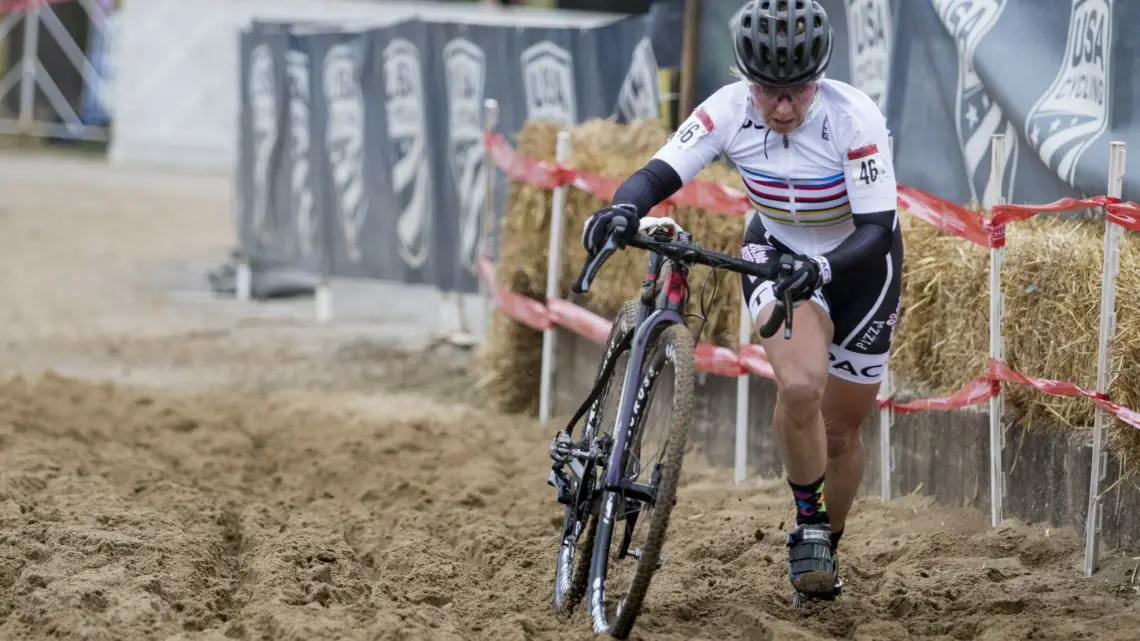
[(767, 51)]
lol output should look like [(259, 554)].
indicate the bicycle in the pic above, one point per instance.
[(596, 475)]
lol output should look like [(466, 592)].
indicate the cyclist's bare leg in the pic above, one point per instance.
[(800, 365), (845, 406)]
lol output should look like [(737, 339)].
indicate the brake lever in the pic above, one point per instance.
[(590, 269), (789, 312)]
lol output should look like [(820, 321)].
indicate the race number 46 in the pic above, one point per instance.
[(868, 171), (865, 167), (693, 129)]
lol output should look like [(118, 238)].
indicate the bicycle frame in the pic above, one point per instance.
[(662, 304)]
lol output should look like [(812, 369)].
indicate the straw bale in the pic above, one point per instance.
[(509, 363), (915, 329), (1051, 280), (1125, 385), (509, 366)]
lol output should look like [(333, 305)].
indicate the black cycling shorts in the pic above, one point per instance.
[(863, 305)]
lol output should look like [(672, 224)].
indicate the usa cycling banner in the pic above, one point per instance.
[(1055, 76), (278, 218), (362, 152)]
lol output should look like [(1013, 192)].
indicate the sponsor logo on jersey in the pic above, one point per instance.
[(870, 37), (856, 365), (407, 135), (344, 138), (978, 116), (640, 95), (263, 116), (300, 182), (1074, 111), (465, 65), (548, 79), (872, 332)]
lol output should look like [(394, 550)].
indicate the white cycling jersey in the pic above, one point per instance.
[(807, 185)]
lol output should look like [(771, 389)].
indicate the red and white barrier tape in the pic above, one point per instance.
[(1126, 215), (946, 216)]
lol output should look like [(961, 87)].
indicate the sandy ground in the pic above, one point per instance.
[(177, 467)]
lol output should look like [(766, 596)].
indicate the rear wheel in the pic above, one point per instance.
[(577, 540), (620, 575)]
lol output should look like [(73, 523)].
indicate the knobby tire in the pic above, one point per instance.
[(674, 345)]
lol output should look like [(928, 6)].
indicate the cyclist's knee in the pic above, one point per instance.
[(801, 392), (842, 439)]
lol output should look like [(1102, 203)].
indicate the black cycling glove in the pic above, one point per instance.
[(598, 226), (802, 276)]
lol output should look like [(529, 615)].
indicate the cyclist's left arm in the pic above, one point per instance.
[(696, 143), (872, 192)]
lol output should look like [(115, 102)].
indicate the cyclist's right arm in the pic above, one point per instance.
[(695, 144)]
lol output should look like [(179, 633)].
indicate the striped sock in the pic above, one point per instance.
[(810, 506)]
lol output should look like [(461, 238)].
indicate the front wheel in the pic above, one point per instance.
[(651, 468), (577, 538)]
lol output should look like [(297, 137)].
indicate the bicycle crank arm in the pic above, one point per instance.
[(631, 491)]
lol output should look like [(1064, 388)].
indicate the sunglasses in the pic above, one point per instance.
[(794, 92)]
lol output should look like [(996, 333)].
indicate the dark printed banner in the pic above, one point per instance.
[(1056, 77), (361, 153)]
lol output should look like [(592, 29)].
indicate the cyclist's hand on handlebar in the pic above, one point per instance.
[(598, 226), (802, 275)]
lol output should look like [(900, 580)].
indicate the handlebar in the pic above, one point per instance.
[(689, 252)]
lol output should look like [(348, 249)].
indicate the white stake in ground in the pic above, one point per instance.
[(997, 349), (1103, 359), (490, 120), (743, 391), (886, 412), (324, 301), (886, 416), (243, 280), (553, 271)]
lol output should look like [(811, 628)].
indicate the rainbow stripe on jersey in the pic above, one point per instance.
[(819, 202)]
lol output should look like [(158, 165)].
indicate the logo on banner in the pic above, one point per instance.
[(300, 185), (407, 133), (870, 28), (548, 78), (978, 116), (1074, 111), (344, 137), (465, 66), (263, 117), (639, 97)]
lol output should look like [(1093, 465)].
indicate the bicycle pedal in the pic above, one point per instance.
[(561, 448), (636, 553)]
